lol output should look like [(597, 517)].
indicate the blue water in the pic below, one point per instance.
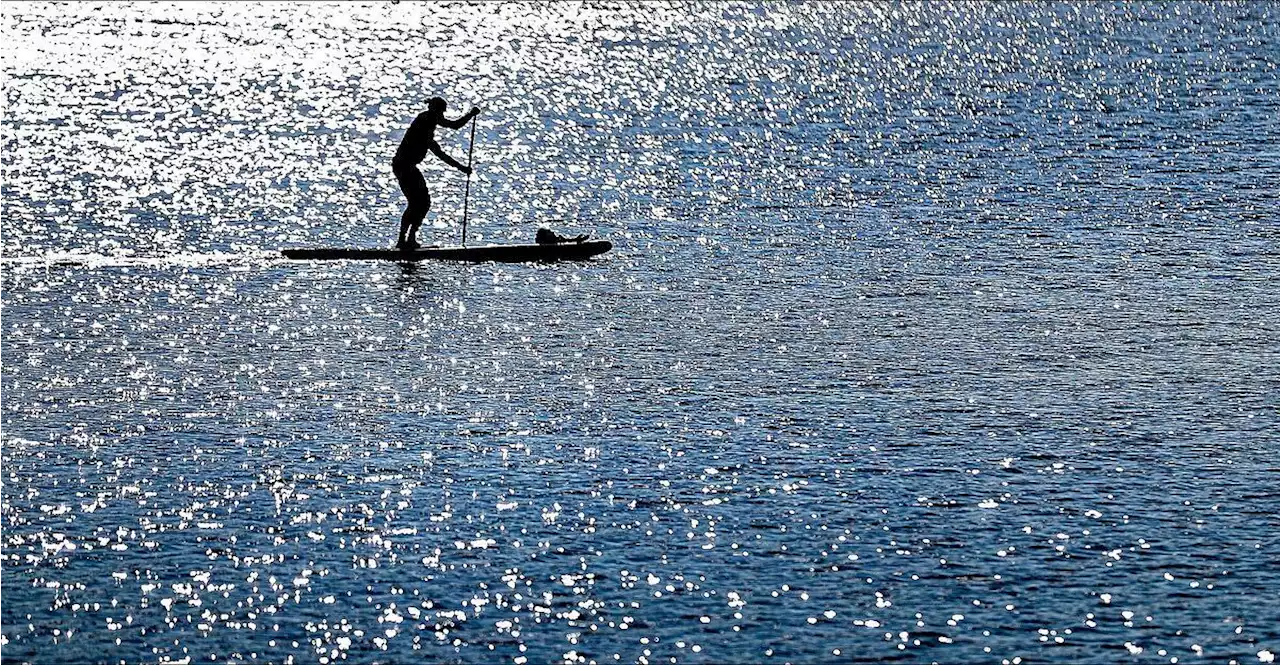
[(931, 333)]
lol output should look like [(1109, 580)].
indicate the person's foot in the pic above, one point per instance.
[(407, 245)]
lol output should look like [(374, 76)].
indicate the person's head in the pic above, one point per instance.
[(437, 105)]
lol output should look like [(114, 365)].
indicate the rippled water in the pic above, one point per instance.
[(932, 333)]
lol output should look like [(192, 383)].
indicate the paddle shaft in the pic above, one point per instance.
[(466, 198)]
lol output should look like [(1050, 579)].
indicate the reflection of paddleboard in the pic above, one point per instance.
[(573, 251)]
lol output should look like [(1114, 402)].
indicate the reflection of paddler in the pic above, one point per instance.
[(420, 138)]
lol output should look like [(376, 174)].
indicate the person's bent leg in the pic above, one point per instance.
[(420, 213), (404, 178), (406, 224), (414, 216), (419, 203)]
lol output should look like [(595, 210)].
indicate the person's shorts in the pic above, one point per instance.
[(413, 185)]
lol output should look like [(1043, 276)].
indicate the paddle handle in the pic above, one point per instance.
[(466, 198)]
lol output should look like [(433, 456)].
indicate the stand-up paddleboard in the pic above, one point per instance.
[(570, 251)]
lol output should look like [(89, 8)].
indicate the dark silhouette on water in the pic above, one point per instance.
[(420, 138), (546, 236)]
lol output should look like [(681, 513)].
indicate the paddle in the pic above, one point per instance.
[(466, 198)]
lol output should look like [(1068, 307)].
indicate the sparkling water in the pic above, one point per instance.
[(931, 333)]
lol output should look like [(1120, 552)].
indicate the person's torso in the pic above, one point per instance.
[(417, 140)]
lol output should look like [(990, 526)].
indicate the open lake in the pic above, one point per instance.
[(942, 332)]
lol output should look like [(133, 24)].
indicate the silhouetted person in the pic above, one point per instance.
[(546, 236), (421, 137)]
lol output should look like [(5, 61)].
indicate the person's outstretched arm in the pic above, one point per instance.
[(435, 147), (460, 122)]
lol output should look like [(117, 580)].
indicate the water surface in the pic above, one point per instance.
[(931, 333)]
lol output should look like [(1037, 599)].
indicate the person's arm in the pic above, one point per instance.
[(435, 147), (460, 122)]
